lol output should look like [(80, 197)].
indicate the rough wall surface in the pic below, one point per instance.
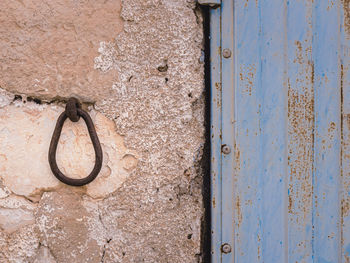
[(48, 47), (137, 67)]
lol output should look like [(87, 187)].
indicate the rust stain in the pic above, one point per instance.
[(247, 77), (237, 166), (345, 207), (331, 131), (249, 202), (330, 5), (290, 203), (341, 115), (299, 54), (300, 159), (246, 3), (341, 149), (239, 212), (346, 7), (345, 203), (312, 72), (259, 248), (347, 258), (301, 135), (345, 149), (218, 94), (331, 236)]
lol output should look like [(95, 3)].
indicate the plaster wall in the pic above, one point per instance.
[(137, 67)]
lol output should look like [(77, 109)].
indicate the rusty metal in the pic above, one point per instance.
[(74, 112), (226, 149), (226, 248), (282, 103), (72, 107), (211, 3), (226, 53)]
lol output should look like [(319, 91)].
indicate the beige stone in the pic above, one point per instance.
[(20, 246), (47, 48), (44, 256), (13, 219), (63, 226), (15, 213), (158, 104), (4, 191), (18, 241), (25, 134)]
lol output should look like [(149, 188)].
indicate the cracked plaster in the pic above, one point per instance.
[(139, 63)]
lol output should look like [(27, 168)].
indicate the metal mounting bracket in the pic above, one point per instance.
[(212, 3)]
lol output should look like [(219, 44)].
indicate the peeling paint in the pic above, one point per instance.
[(346, 8), (247, 76)]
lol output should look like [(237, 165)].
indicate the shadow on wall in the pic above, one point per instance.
[(206, 247)]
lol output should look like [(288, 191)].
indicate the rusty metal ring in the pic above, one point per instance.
[(72, 107), (95, 142)]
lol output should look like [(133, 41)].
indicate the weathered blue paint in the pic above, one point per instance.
[(345, 135), (326, 206), (282, 103), (209, 2), (215, 115), (227, 126), (300, 79)]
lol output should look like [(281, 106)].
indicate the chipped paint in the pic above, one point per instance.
[(247, 77), (300, 144), (346, 7), (290, 169), (239, 212)]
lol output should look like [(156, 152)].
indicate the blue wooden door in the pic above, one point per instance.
[(280, 131)]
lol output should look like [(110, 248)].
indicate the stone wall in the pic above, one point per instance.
[(137, 66)]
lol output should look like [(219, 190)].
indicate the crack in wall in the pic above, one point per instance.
[(160, 114)]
